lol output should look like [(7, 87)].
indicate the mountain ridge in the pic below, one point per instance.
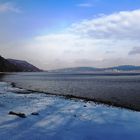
[(118, 68)]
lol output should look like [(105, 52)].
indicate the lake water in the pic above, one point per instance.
[(116, 89)]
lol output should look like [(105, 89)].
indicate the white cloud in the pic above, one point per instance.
[(9, 7), (86, 5), (122, 25)]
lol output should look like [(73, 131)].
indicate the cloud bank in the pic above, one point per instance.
[(87, 43), (122, 25)]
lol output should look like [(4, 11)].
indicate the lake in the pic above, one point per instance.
[(115, 89)]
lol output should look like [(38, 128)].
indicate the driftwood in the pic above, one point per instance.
[(19, 114)]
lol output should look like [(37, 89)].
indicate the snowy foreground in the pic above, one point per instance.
[(62, 119)]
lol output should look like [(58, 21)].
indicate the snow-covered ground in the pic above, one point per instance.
[(62, 119)]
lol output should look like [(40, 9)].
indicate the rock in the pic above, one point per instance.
[(85, 106), (19, 114), (35, 113), (13, 84)]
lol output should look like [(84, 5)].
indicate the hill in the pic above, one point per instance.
[(11, 65), (23, 65)]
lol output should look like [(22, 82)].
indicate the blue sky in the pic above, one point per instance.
[(66, 33)]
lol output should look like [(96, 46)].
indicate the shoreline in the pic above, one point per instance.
[(71, 97), (128, 100), (52, 118)]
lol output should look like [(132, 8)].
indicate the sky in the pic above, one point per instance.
[(53, 34)]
